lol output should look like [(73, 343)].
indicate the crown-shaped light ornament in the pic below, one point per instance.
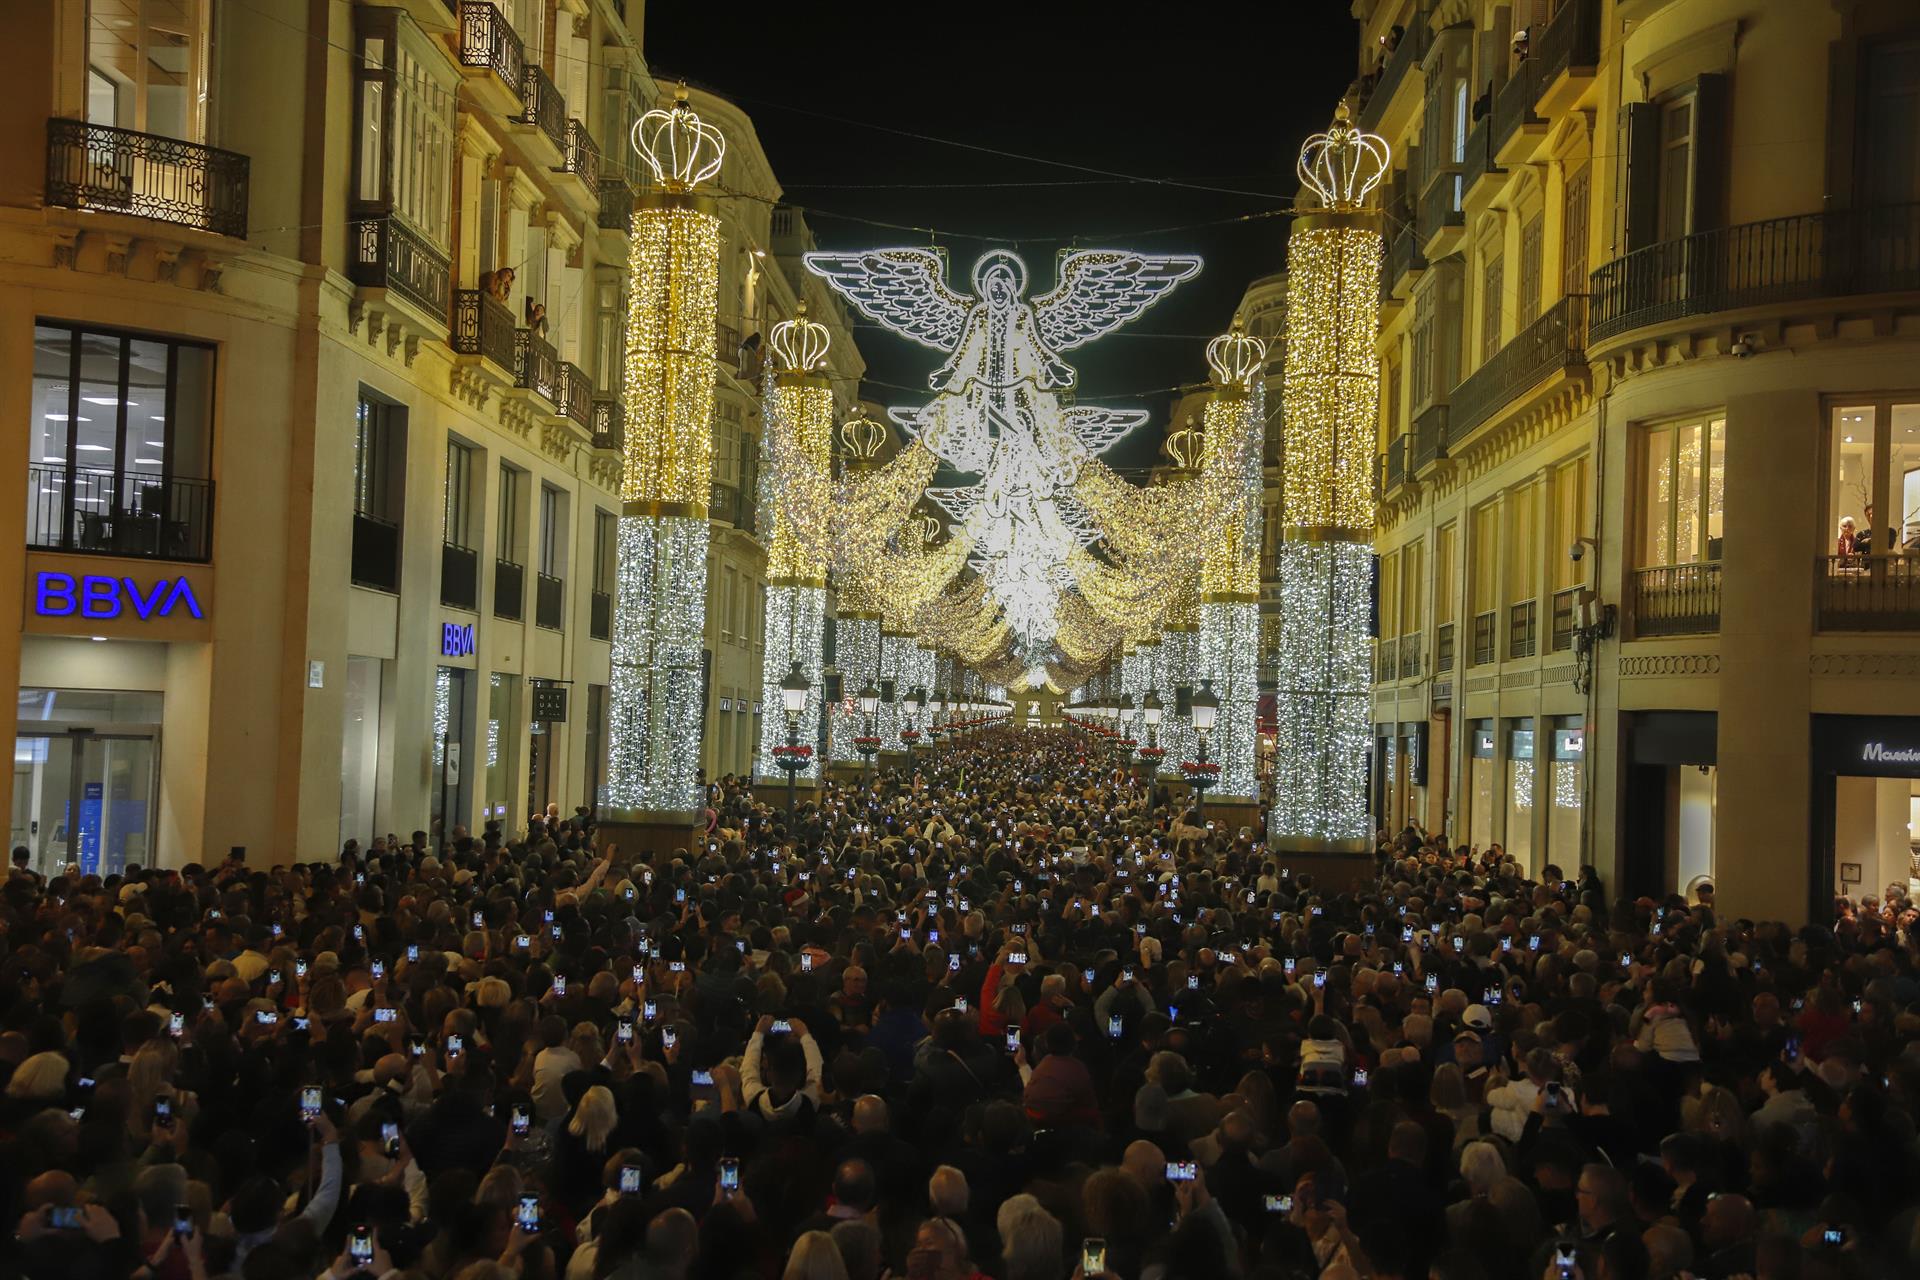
[(1186, 446), (1343, 165), (799, 345), (862, 438), (680, 148), (1236, 359)]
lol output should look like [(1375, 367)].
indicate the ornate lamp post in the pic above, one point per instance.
[(867, 745), (1150, 712), (910, 706), (1124, 744), (1201, 774), (793, 700)]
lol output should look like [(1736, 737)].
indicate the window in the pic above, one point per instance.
[(459, 522), (1412, 585), (609, 328), (1445, 573), (1873, 469), (507, 529), (1527, 305), (727, 592), (1492, 283), (1392, 399), (605, 549), (379, 458), (1676, 169), (1484, 582), (1520, 793), (404, 110), (493, 249), (553, 531), (1574, 231), (1570, 522), (1683, 487), (1892, 133), (1424, 390), (1389, 597), (147, 66), (1523, 543), (122, 444)]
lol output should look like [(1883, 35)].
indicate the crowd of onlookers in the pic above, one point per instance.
[(1019, 1015)]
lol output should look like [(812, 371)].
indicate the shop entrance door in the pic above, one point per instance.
[(86, 797)]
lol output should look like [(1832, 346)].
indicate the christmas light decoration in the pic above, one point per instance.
[(999, 414), (856, 647), (673, 269), (1330, 399), (1230, 572)]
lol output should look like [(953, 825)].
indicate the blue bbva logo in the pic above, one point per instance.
[(456, 639), (63, 595)]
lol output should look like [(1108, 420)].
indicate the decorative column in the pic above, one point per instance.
[(1330, 403), (1230, 571), (653, 792), (798, 402)]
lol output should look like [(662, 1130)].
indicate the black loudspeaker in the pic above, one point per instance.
[(832, 682), (886, 692), (1183, 700)]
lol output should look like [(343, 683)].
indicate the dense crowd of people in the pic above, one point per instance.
[(1019, 1015)]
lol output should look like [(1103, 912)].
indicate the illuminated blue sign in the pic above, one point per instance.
[(89, 595), (456, 639)]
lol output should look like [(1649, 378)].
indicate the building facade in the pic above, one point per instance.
[(1652, 295), (315, 327)]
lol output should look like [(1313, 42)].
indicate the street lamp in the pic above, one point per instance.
[(868, 744), (793, 700), (1122, 720), (910, 704), (1206, 707)]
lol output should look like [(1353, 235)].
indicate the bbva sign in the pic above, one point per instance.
[(91, 595)]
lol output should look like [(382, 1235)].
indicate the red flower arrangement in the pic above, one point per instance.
[(867, 741), (1202, 768), (1127, 744), (909, 735), (1155, 754), (800, 752)]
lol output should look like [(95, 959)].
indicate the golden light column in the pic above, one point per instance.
[(856, 626), (1329, 402), (673, 270), (799, 402)]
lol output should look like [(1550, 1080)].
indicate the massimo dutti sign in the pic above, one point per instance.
[(1870, 746)]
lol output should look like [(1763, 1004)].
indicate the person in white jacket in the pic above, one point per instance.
[(1512, 1102)]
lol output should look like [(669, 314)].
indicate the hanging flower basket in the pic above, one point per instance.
[(798, 754), (909, 735), (1200, 769), (867, 743), (1126, 744), (1153, 755)]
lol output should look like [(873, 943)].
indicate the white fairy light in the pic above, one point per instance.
[(680, 149), (856, 651), (795, 626)]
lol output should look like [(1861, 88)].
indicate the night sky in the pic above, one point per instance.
[(983, 127)]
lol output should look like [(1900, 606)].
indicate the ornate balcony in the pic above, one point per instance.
[(616, 204), (1513, 118), (573, 395), (483, 326), (1403, 256), (609, 425), (388, 254), (1569, 46), (1413, 46), (143, 175), (1523, 634), (536, 365), (490, 47), (1440, 217), (1398, 472), (1676, 600), (1429, 437), (1410, 656), (582, 157), (1554, 342), (1867, 593), (543, 108), (1812, 255)]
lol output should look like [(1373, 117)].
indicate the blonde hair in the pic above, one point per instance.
[(148, 1076), (594, 1118), (815, 1257)]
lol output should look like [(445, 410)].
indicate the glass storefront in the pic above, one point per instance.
[(1564, 787), (85, 778), (448, 787), (503, 699), (1480, 783), (360, 749), (1520, 794)]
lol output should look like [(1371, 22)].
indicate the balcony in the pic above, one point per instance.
[(1565, 619), (1566, 51), (1403, 257), (1813, 255), (1429, 437), (1443, 649), (726, 344), (1867, 593), (1554, 343), (491, 52), (543, 109), (1386, 661), (1440, 216), (573, 395), (1515, 126), (600, 616), (483, 326), (1397, 471), (509, 590), (1479, 160), (1523, 637), (609, 426), (580, 159), (1413, 46), (549, 601), (143, 175), (1484, 626), (1410, 656), (459, 577), (731, 504), (388, 254), (139, 514), (536, 365), (376, 553), (616, 204), (1676, 600)]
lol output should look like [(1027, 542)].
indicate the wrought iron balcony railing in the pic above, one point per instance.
[(1443, 649), (488, 40), (1403, 254), (1429, 436), (1513, 104), (388, 254), (1484, 626), (582, 158), (1569, 42), (1555, 341), (483, 326), (616, 204), (1565, 605), (1523, 636), (609, 425), (118, 512), (536, 365), (1410, 656), (1677, 599), (573, 395), (542, 105), (1812, 255), (144, 175), (1867, 593), (1440, 203), (1401, 59)]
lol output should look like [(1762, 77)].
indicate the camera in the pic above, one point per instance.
[(1577, 552)]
